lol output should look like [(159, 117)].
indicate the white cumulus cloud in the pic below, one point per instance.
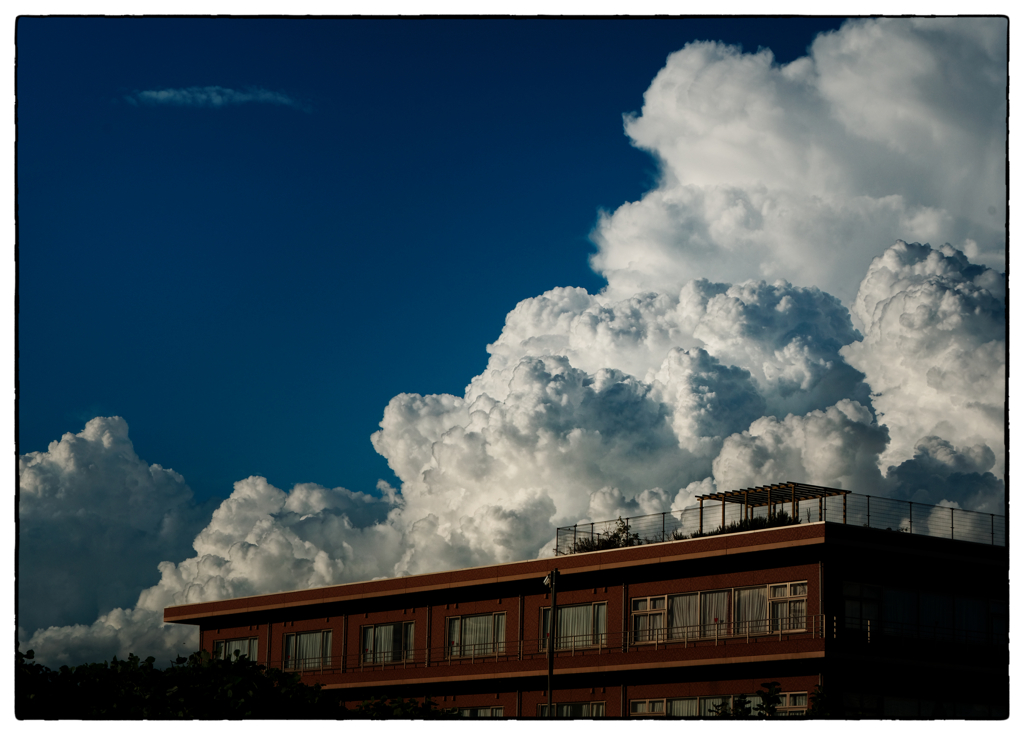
[(934, 348), (95, 520), (890, 129)]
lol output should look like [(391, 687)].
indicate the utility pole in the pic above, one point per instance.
[(551, 581)]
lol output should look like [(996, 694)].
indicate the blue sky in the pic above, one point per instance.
[(249, 285)]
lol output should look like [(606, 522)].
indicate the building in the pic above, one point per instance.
[(891, 621)]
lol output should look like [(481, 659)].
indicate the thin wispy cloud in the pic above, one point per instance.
[(211, 97)]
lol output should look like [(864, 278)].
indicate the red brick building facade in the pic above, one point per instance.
[(890, 624)]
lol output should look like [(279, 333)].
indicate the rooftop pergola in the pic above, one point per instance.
[(772, 496)]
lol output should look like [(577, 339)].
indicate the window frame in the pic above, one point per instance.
[(665, 703), (789, 600), (542, 710), (290, 654), (731, 626), (222, 645), (403, 653), (601, 637), (646, 613), (498, 711), (497, 646), (787, 709)]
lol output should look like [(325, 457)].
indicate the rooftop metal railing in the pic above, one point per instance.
[(850, 508)]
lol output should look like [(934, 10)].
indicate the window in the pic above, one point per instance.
[(647, 707), (793, 704), (579, 626), (739, 611), (482, 712), (476, 635), (684, 616), (648, 619), (861, 603), (752, 610), (242, 646), (789, 606), (714, 612), (574, 710), (307, 650), (699, 614), (682, 707), (388, 642)]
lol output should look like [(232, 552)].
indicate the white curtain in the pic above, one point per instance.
[(454, 627), (308, 650), (600, 624), (684, 614), (244, 646), (499, 632), (682, 707), (714, 606), (325, 652), (477, 635), (383, 643), (707, 705), (798, 614), (575, 626), (408, 640), (752, 609)]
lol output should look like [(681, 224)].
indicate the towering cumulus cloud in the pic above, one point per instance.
[(888, 129), (772, 313)]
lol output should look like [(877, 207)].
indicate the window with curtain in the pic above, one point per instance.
[(574, 710), (387, 642), (648, 619), (647, 707), (789, 606), (476, 635), (751, 615), (682, 707), (714, 612), (686, 707), (226, 649), (307, 650), (732, 611), (579, 626), (482, 712), (684, 616), (708, 704)]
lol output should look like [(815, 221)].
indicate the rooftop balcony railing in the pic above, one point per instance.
[(729, 515)]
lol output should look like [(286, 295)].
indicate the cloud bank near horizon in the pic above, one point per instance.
[(698, 367)]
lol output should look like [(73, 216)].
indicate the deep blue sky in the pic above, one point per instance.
[(248, 286)]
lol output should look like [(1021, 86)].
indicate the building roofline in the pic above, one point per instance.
[(716, 545)]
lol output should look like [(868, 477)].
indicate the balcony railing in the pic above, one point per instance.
[(898, 516), (586, 644), (684, 639)]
